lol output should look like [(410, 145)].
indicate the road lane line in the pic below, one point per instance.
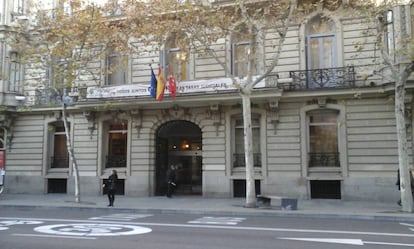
[(51, 236)]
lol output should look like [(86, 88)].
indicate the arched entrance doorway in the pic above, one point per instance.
[(179, 143)]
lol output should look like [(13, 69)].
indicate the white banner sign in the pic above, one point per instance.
[(211, 85)]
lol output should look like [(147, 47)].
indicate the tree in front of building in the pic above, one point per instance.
[(56, 46), (396, 46)]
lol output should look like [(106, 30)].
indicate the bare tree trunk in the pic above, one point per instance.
[(248, 149), (71, 154), (403, 165)]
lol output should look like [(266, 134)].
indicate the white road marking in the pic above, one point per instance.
[(122, 217), (347, 241), (338, 241), (217, 220), (411, 226), (52, 236), (92, 229)]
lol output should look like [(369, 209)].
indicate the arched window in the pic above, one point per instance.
[(321, 43)]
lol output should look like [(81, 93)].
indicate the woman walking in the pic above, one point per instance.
[(110, 186)]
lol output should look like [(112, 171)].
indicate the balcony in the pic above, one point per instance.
[(115, 161), (239, 160), (340, 77), (324, 160), (55, 97), (59, 162)]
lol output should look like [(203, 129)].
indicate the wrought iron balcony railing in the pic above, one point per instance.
[(55, 96), (115, 161), (324, 160), (59, 162), (239, 160), (340, 77)]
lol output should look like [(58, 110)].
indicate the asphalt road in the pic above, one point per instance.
[(73, 228)]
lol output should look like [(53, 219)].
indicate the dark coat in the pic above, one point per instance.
[(111, 182), (170, 175)]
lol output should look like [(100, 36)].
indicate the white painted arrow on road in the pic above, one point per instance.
[(347, 241)]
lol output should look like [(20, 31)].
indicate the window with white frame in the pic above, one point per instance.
[(240, 52), (15, 72), (323, 138), (18, 6), (238, 141), (176, 58), (389, 33), (115, 68)]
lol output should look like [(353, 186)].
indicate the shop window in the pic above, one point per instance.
[(117, 145), (323, 138), (238, 146), (58, 147)]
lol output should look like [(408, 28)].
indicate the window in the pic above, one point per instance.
[(240, 52), (115, 68), (56, 74), (176, 58), (18, 6), (321, 43), (323, 138), (117, 145), (59, 151), (2, 138), (238, 148), (412, 19), (15, 73), (389, 33)]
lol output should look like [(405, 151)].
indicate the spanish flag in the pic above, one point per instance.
[(160, 85)]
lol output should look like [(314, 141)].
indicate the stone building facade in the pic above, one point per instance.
[(323, 123)]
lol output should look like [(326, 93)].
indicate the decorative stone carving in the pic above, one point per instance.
[(91, 117), (215, 115), (136, 116), (177, 112), (273, 113)]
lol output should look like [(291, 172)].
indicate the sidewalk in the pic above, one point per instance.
[(319, 208)]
